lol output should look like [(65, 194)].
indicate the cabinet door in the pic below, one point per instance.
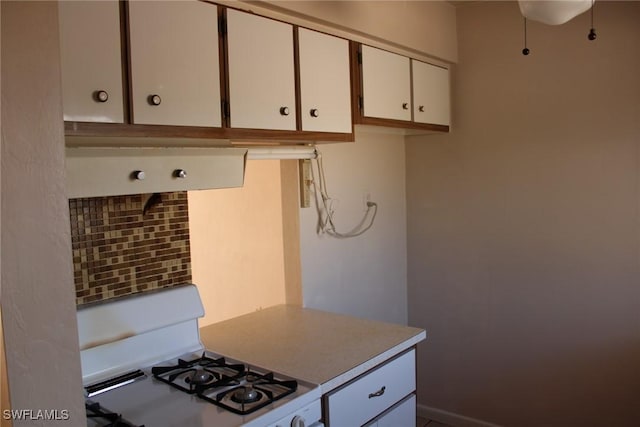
[(373, 393), (324, 82), (386, 84), (261, 73), (175, 75), (91, 61), (430, 93), (403, 414)]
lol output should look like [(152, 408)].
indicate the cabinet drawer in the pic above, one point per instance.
[(368, 396), (110, 172)]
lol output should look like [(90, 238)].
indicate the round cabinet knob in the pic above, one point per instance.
[(139, 175), (314, 112), (421, 108), (405, 106), (154, 100), (284, 111), (101, 96), (180, 173), (298, 421)]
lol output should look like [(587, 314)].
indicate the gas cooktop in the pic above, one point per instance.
[(159, 374)]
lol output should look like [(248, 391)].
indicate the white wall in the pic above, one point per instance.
[(38, 301), (363, 276), (524, 225)]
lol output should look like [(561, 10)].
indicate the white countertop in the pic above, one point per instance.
[(315, 346)]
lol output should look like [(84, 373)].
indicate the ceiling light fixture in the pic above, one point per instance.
[(554, 12)]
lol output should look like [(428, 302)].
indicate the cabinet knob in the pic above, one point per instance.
[(314, 112), (154, 100), (138, 175), (101, 96), (421, 108), (284, 111), (180, 173), (405, 106)]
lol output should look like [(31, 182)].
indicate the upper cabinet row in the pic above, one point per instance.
[(401, 89), (195, 69)]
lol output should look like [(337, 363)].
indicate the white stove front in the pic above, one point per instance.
[(156, 329)]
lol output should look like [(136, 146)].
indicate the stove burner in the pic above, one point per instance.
[(200, 376), (190, 376), (249, 392), (230, 386), (246, 395)]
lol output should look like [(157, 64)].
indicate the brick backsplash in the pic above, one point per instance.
[(119, 251)]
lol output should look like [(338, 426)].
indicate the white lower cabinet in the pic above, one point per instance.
[(369, 397), (403, 414)]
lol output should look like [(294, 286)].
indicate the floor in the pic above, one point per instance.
[(422, 422)]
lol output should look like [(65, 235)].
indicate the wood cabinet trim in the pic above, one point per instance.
[(126, 61), (237, 135), (374, 121), (296, 77), (223, 53)]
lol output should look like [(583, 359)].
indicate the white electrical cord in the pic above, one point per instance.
[(324, 206)]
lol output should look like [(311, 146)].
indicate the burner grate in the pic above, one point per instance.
[(251, 392), (190, 376), (99, 414)]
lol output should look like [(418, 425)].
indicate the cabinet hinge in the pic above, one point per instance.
[(361, 103), (222, 26), (359, 57), (226, 111)]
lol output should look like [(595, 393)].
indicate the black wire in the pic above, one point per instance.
[(526, 50)]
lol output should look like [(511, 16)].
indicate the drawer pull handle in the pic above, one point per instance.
[(377, 393)]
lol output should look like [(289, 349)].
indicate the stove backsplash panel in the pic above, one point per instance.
[(118, 251)]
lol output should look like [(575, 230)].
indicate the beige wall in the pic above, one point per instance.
[(237, 254), (523, 225), (428, 27), (38, 308)]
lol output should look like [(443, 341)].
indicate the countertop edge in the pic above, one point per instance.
[(345, 377)]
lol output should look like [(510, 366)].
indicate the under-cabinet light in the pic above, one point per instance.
[(281, 153)]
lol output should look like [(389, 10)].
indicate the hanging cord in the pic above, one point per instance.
[(592, 32), (526, 50), (326, 211)]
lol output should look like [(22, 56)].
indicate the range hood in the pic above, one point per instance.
[(99, 172)]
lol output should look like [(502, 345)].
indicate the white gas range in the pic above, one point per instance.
[(143, 365)]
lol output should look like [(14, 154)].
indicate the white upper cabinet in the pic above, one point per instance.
[(430, 93), (386, 84), (325, 89), (175, 74), (261, 72), (91, 61)]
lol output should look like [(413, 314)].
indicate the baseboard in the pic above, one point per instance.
[(450, 418)]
